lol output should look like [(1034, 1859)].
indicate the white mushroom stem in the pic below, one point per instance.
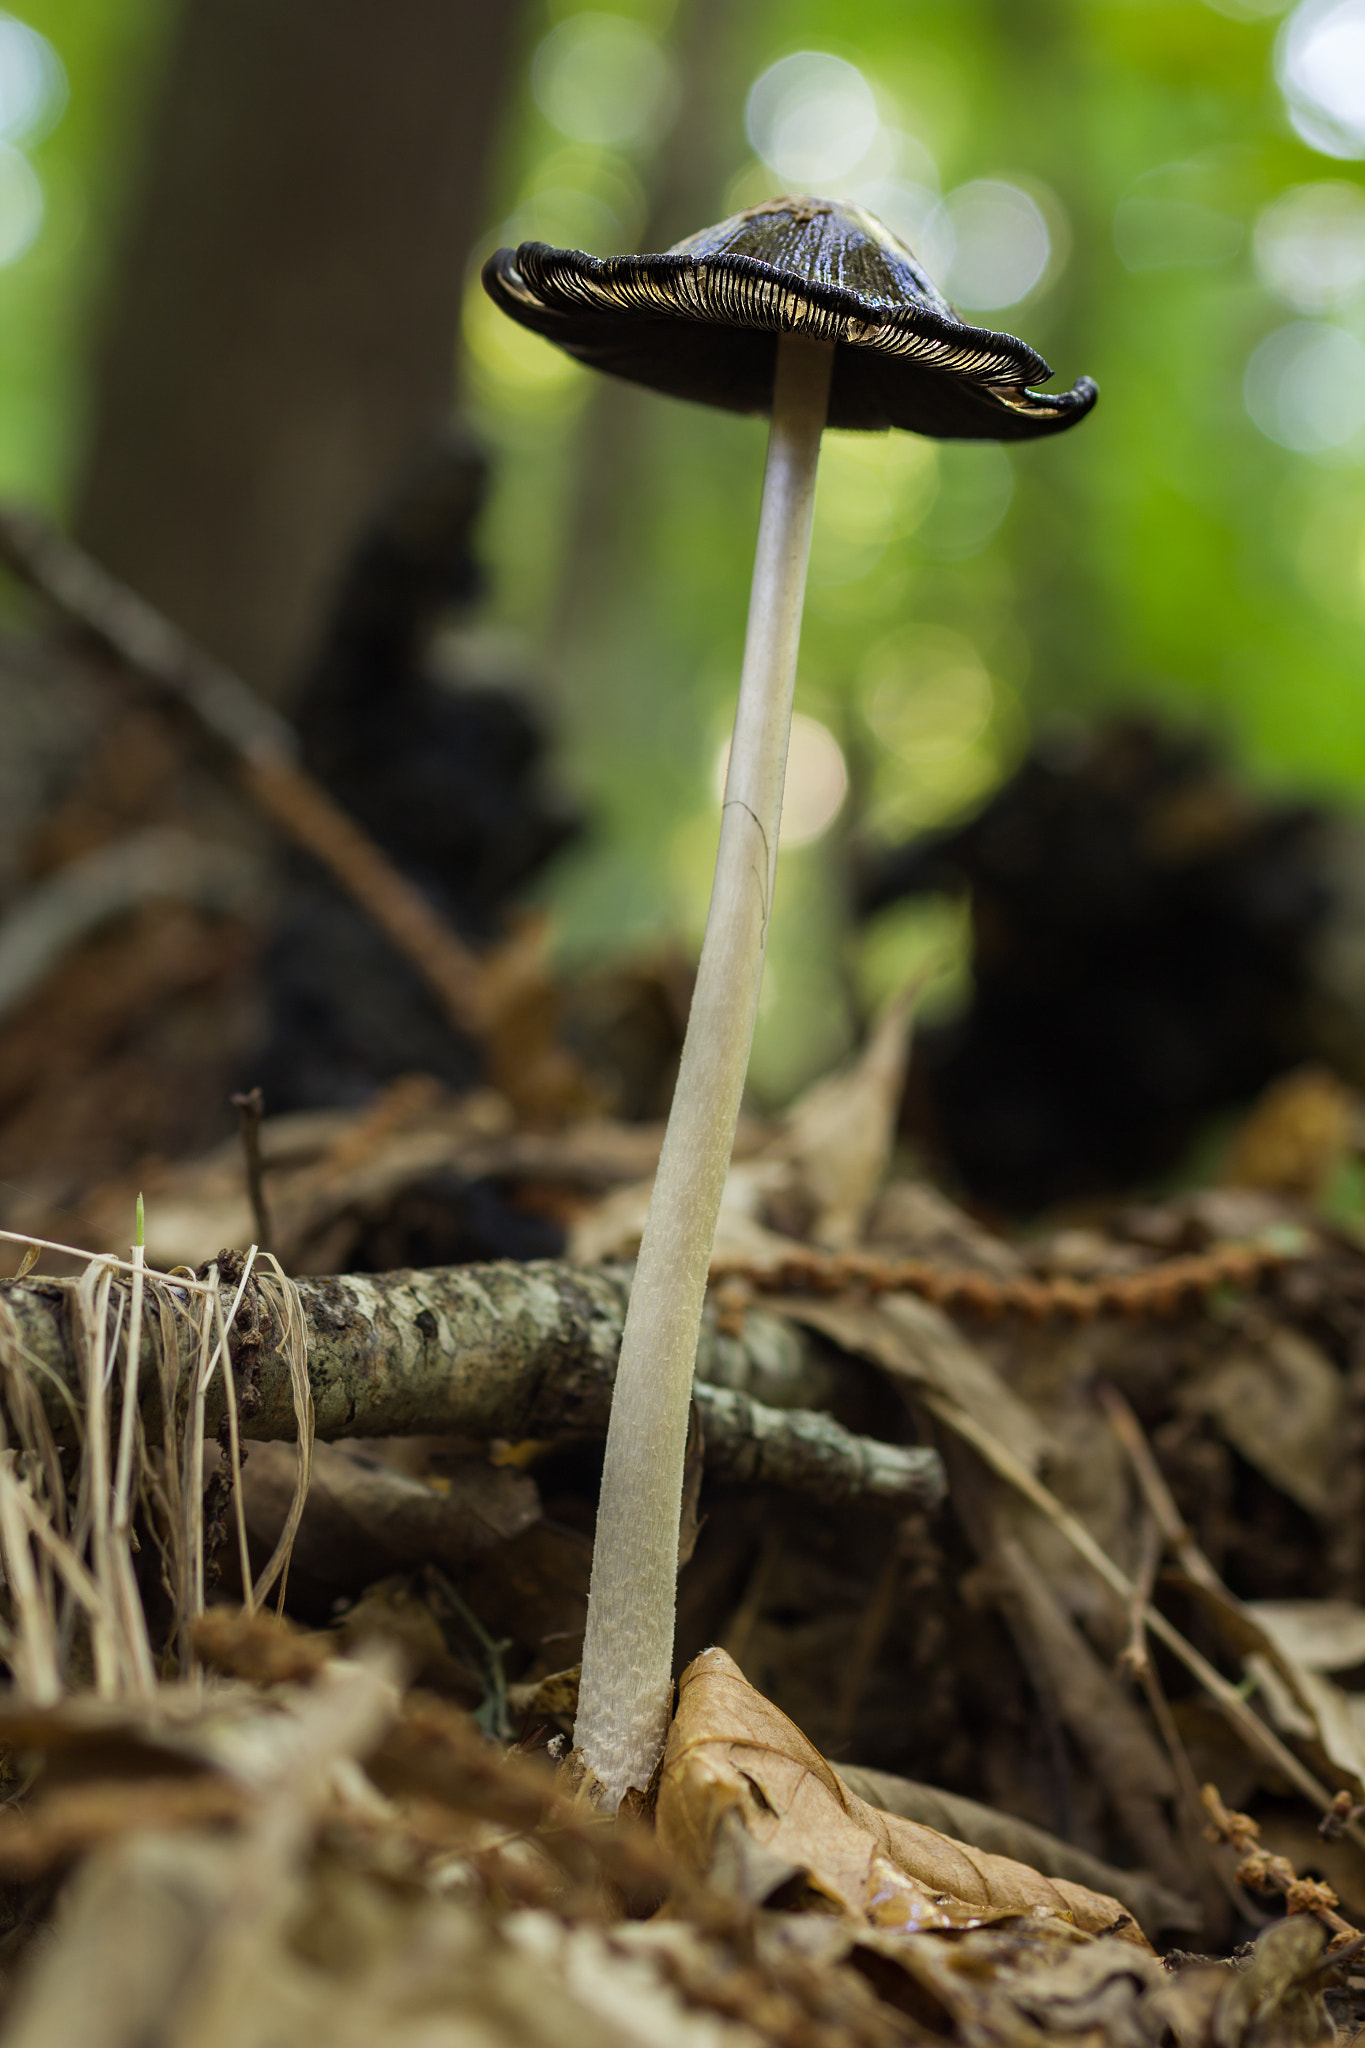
[(626, 1690)]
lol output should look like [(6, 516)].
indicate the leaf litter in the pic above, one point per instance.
[(221, 1826)]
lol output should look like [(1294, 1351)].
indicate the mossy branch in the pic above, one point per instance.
[(497, 1350)]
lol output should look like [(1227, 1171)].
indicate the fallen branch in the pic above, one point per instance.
[(263, 745), (497, 1350)]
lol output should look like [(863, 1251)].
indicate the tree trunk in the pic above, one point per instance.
[(283, 328)]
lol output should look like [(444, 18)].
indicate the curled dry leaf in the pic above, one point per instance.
[(1034, 1981), (737, 1767), (1273, 1998)]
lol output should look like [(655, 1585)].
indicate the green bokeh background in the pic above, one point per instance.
[(1167, 553)]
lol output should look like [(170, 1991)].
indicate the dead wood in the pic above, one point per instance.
[(497, 1350)]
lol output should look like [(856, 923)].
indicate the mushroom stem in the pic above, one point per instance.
[(626, 1690)]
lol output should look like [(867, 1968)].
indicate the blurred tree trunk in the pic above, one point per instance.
[(282, 331), (618, 437)]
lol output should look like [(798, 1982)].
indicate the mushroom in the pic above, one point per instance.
[(812, 311)]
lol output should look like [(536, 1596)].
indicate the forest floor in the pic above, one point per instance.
[(1021, 1590), (1064, 1737)]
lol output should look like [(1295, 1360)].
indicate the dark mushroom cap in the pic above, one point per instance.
[(702, 320)]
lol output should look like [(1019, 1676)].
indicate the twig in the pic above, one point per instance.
[(1259, 1871), (1133, 1657), (498, 1350), (1339, 1816), (1161, 1289), (250, 1109), (1166, 1518), (263, 745), (1175, 1530), (869, 1638), (744, 1620), (1226, 1697), (181, 1278)]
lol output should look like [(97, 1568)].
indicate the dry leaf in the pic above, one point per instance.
[(1322, 1635), (1276, 1997), (736, 1765), (1282, 1404), (911, 1219), (1152, 1905), (1295, 1135), (919, 1347), (1035, 1982), (690, 1519), (364, 1520), (1301, 1701), (837, 1137), (611, 1229), (1126, 1760)]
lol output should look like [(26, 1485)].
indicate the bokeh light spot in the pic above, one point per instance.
[(1320, 57), (811, 117), (927, 692), (906, 208), (600, 78), (1310, 246), (874, 489), (568, 218), (514, 360), (1305, 387), (817, 781), (997, 245), (32, 81)]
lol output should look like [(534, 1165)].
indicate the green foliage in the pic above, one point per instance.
[(85, 152), (1168, 551)]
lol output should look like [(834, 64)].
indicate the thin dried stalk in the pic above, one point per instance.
[(92, 1296), (32, 1651), (282, 1296), (71, 1568)]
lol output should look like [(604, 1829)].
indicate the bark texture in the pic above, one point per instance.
[(497, 1350), (283, 326)]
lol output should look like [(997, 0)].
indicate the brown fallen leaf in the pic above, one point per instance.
[(837, 1137), (919, 1348), (1152, 1904), (1280, 1401), (745, 1798), (1301, 1700), (364, 1520), (1032, 1981)]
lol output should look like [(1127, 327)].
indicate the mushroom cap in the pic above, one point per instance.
[(701, 321)]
